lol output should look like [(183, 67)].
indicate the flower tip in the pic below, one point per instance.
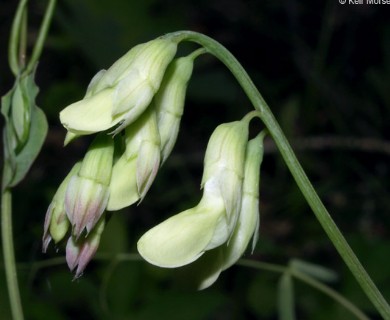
[(70, 136), (45, 242)]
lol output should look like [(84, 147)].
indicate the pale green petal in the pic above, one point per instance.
[(212, 201), (180, 239), (245, 227), (154, 59), (127, 92), (97, 162), (203, 272), (226, 150), (90, 115), (129, 106), (169, 101), (94, 86), (249, 218), (148, 162), (59, 222), (169, 125), (213, 261), (70, 136), (123, 185), (121, 67), (230, 185)]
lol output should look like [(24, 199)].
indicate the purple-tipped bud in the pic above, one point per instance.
[(87, 192), (56, 222), (80, 252)]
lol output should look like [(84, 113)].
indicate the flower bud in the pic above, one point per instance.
[(87, 192), (56, 222), (121, 93), (169, 102), (21, 113), (224, 163), (135, 170), (80, 251)]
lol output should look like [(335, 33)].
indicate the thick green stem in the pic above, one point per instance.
[(299, 175), (9, 257)]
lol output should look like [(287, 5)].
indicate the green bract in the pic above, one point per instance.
[(121, 93)]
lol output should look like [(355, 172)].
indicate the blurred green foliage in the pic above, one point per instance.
[(324, 68)]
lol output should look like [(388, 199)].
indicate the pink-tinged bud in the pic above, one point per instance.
[(80, 252), (87, 192), (85, 202), (56, 222)]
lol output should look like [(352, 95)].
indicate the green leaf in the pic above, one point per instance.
[(286, 298), (27, 156), (314, 270), (8, 139), (21, 149)]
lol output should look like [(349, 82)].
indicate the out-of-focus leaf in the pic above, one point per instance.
[(286, 298), (314, 270), (114, 239), (189, 306), (121, 293), (261, 296)]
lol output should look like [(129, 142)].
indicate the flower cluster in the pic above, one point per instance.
[(140, 98), (135, 108), (220, 227)]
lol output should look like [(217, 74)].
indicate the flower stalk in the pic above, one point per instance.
[(318, 208)]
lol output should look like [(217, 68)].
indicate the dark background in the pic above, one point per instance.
[(323, 67)]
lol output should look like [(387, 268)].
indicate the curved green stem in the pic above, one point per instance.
[(115, 259), (296, 170), (16, 37), (38, 47), (309, 281), (9, 257), (329, 292)]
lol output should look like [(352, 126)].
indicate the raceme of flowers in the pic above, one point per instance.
[(139, 100)]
